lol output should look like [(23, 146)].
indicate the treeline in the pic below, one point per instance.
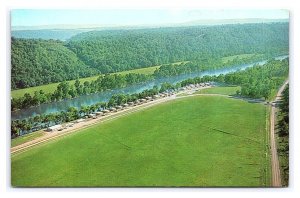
[(259, 81), (255, 82), (38, 122), (66, 90), (274, 71), (203, 65), (37, 62), (283, 135)]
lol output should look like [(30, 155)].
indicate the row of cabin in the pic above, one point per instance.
[(198, 85), (106, 111), (112, 109), (166, 94), (60, 127)]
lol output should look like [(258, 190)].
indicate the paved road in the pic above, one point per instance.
[(276, 177)]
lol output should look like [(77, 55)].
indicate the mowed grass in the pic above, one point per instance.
[(239, 56), (229, 90), (193, 141), (50, 88), (26, 138)]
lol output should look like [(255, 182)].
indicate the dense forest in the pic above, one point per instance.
[(37, 62)]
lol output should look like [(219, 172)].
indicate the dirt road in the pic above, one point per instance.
[(276, 177)]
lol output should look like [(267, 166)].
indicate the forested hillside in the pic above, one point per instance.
[(118, 50), (37, 62)]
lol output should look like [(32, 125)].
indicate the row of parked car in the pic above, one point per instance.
[(104, 112)]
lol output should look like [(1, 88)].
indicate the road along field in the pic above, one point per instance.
[(190, 141)]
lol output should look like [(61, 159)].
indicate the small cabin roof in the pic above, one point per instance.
[(55, 127)]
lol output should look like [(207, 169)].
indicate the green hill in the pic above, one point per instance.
[(38, 62), (118, 50)]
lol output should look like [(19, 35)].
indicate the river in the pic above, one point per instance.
[(106, 95)]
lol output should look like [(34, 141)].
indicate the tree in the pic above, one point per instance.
[(283, 123), (84, 110)]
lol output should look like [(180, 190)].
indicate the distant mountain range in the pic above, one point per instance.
[(66, 31)]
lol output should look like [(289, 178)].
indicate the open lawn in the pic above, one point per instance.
[(219, 90), (239, 56), (192, 141), (26, 138)]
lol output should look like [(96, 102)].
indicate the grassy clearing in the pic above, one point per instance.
[(195, 141), (147, 70), (50, 88), (220, 90), (240, 56), (26, 138)]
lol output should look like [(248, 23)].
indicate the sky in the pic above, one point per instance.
[(38, 17)]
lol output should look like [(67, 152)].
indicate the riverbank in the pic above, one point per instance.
[(90, 121), (175, 143), (106, 95)]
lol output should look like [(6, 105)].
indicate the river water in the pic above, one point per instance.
[(106, 95)]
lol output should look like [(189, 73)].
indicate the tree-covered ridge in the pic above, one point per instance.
[(118, 50), (37, 62)]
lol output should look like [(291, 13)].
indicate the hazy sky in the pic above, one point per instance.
[(133, 17)]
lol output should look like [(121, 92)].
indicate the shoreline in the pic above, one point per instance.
[(90, 121)]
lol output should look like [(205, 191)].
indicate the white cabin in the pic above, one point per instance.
[(54, 128)]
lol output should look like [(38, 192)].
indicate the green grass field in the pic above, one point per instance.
[(194, 141), (220, 90), (26, 138)]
